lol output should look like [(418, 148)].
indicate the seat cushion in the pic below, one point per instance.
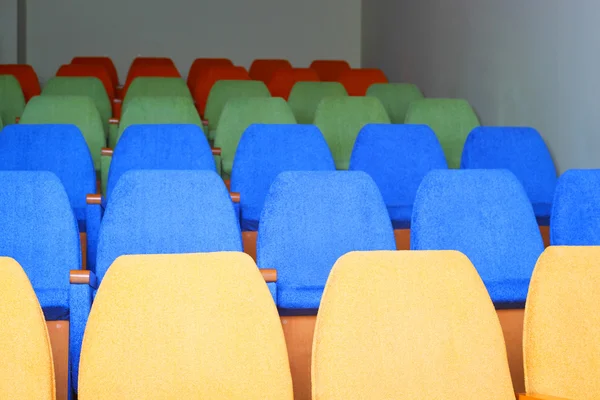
[(542, 213), (54, 302), (400, 216)]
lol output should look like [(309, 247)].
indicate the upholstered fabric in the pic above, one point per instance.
[(397, 157), (220, 336), (408, 325), (156, 86), (90, 70), (238, 114), (283, 80), (26, 370), (106, 62), (395, 97), (357, 81), (142, 70), (306, 96), (341, 118), (309, 220), (211, 75), (262, 70), (266, 150), (77, 110), (486, 215), (575, 219), (561, 342), (329, 70), (26, 76), (12, 101), (201, 63), (451, 119), (523, 152)]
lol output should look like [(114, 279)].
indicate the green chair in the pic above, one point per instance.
[(341, 118), (12, 101), (240, 113), (222, 92), (156, 86), (395, 97), (82, 86), (76, 110), (451, 119), (306, 96)]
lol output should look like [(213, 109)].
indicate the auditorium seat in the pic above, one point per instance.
[(575, 217), (220, 338), (562, 334), (208, 76), (12, 101), (201, 63), (77, 110), (157, 212), (397, 157), (283, 80), (27, 371), (330, 70), (305, 97), (263, 69), (357, 81), (148, 71), (238, 114), (152, 61), (341, 118), (156, 86), (90, 70), (106, 62), (395, 97), (451, 119), (26, 76), (408, 325)]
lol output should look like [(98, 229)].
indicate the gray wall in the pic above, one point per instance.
[(8, 31), (534, 62)]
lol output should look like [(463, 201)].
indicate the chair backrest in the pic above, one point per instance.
[(200, 63), (208, 76), (397, 157), (451, 119), (76, 110), (523, 152), (395, 97), (155, 87), (561, 340), (162, 147), (357, 81), (27, 370), (239, 114), (341, 118), (262, 70), (575, 217), (309, 220), (147, 71), (151, 61), (265, 151), (90, 70), (408, 325), (156, 212), (106, 62), (26, 76), (283, 80), (12, 100), (305, 97), (486, 215), (329, 70), (191, 291)]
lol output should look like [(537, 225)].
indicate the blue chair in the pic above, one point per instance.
[(157, 212), (309, 220), (523, 152), (60, 149), (575, 217), (486, 215)]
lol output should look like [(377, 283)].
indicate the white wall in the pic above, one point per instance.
[(534, 62), (8, 31), (300, 30)]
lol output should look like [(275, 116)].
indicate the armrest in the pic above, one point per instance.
[(106, 151), (528, 396), (216, 151), (17, 119), (235, 197), (95, 199), (227, 183), (117, 101), (269, 275), (83, 277), (205, 122), (113, 121)]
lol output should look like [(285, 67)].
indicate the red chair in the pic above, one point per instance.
[(149, 70), (209, 76), (92, 70), (262, 70), (330, 70), (357, 81), (200, 63), (106, 62), (284, 80), (26, 76)]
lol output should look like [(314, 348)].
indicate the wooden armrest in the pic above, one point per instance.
[(113, 121), (106, 151), (269, 275), (227, 183), (523, 396), (205, 122), (117, 101), (235, 197), (83, 277), (216, 151), (17, 119), (93, 199)]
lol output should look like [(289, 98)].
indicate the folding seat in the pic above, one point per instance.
[(237, 354), (263, 69), (211, 75), (523, 152), (283, 80), (12, 101), (397, 157), (395, 97), (305, 97), (562, 335), (156, 86), (222, 92), (357, 81), (451, 119), (76, 110), (147, 71), (330, 70), (90, 70), (106, 62), (26, 76), (237, 116), (406, 325), (341, 118), (26, 369), (200, 63), (575, 217), (157, 212)]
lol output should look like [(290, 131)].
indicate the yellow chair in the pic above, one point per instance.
[(184, 326), (26, 369), (561, 340), (408, 325)]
